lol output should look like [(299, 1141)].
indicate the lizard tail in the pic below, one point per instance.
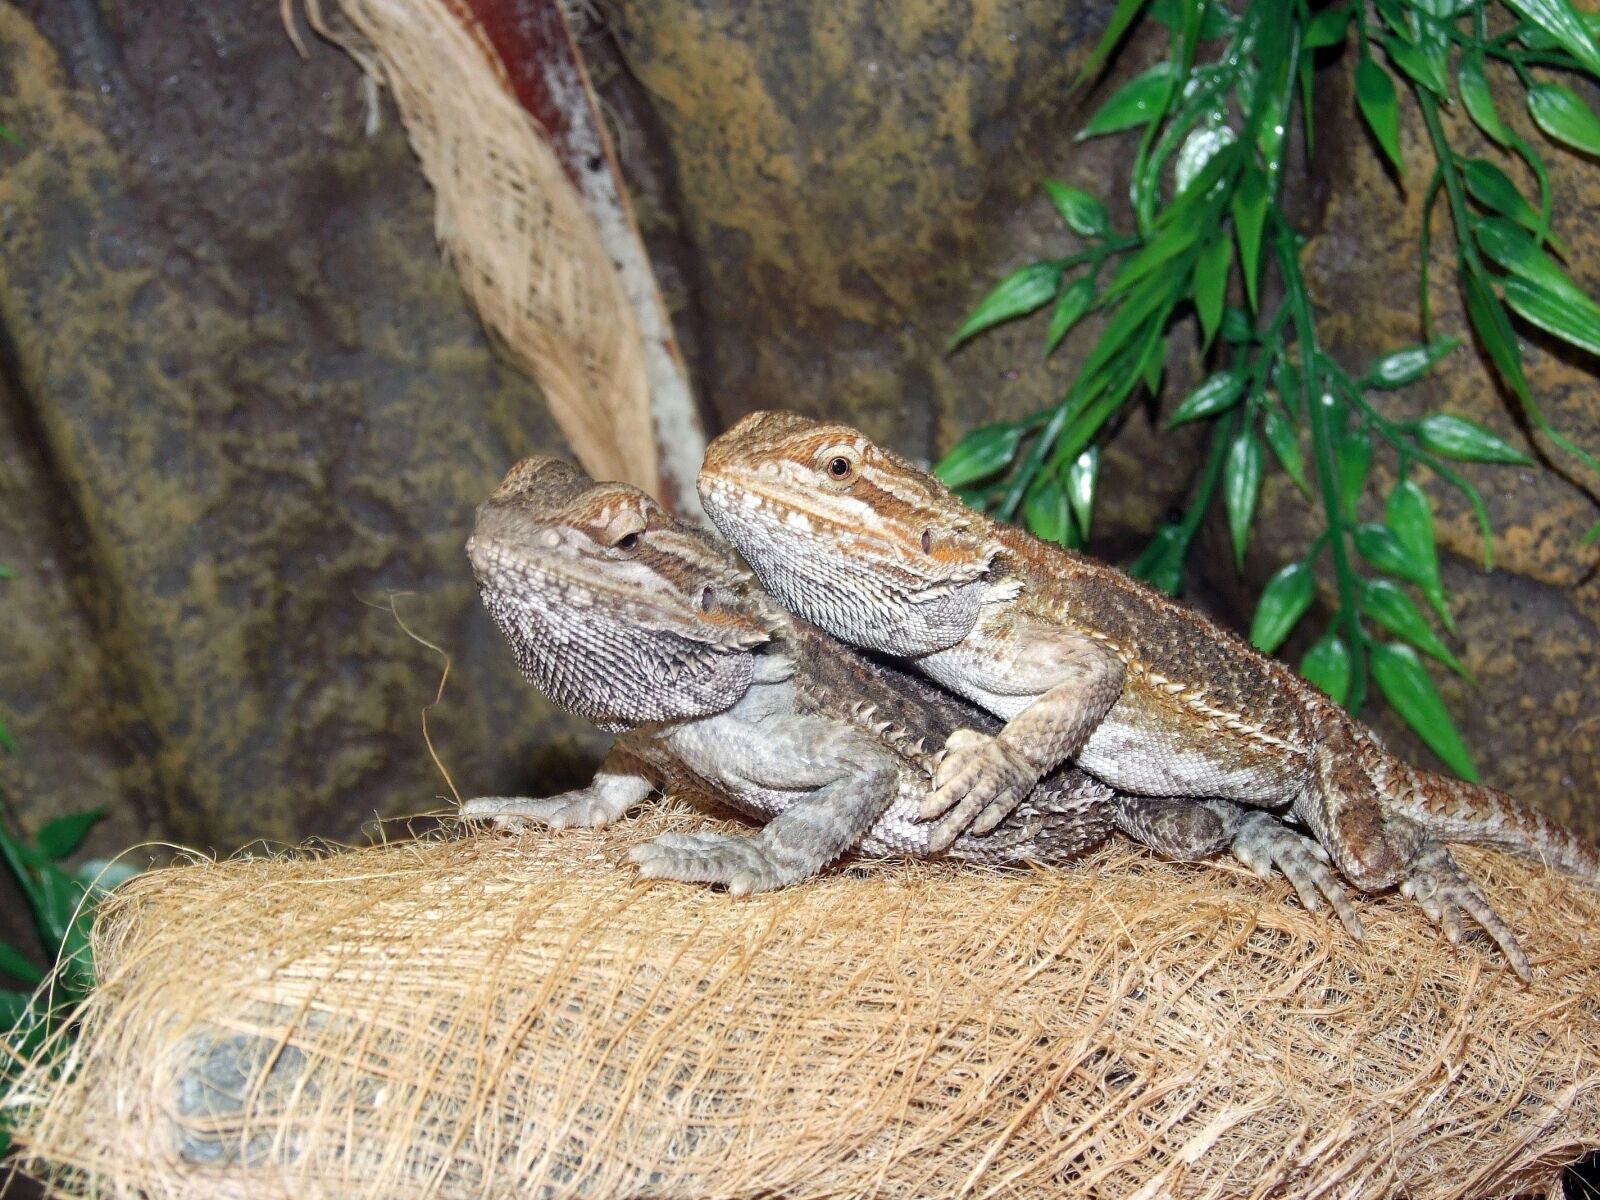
[(1453, 810)]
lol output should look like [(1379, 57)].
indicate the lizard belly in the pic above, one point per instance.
[(1147, 746)]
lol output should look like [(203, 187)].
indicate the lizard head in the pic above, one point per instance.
[(612, 608), (849, 535)]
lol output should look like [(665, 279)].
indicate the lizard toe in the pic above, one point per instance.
[(740, 864), (979, 773), (1264, 843), (1448, 894)]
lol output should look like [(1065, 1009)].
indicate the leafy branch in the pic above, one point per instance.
[(1210, 226)]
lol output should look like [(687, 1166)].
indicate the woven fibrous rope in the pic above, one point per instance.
[(502, 1015)]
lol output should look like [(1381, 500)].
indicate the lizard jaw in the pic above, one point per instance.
[(859, 587)]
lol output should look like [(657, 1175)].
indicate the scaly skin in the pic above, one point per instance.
[(647, 628), (1087, 665)]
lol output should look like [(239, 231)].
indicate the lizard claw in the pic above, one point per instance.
[(1447, 893), (1264, 843), (978, 783), (741, 864), (584, 808)]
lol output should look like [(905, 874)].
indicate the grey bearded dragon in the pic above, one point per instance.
[(1087, 665), (646, 627)]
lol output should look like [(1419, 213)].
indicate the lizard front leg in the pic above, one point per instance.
[(616, 787), (982, 778), (850, 783)]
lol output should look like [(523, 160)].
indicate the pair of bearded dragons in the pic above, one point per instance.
[(1120, 707)]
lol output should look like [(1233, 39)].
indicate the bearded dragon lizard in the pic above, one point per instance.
[(1087, 665), (648, 628)]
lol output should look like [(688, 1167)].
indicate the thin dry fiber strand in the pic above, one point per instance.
[(527, 251), (518, 1017)]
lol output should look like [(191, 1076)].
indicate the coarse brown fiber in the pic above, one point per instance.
[(502, 1016), (526, 249)]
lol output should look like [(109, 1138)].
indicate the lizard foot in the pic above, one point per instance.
[(1264, 843), (585, 808), (1447, 893), (979, 781), (742, 864)]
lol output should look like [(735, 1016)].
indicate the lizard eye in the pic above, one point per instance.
[(622, 531), (838, 465)]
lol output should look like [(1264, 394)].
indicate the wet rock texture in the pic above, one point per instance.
[(244, 402)]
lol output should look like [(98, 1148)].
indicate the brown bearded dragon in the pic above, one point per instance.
[(648, 628), (1087, 665)]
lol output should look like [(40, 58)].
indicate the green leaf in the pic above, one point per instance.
[(1410, 517), (7, 742), (1492, 188), (15, 963), (1478, 100), (1561, 113), (1379, 546), (1387, 604), (1285, 599), (1116, 29), (1327, 664), (1422, 67), (1457, 437), (1241, 488), (1215, 20), (1328, 27), (1135, 103), (1380, 105), (1217, 394), (1082, 479), (14, 1006), (1408, 365), (1172, 241), (100, 875), (1211, 285), (1069, 310), (60, 837), (980, 454), (1154, 364), (1083, 213), (1249, 218), (1285, 443), (1494, 328), (1354, 460), (1561, 22), (1200, 148), (1516, 251), (1405, 684), (1046, 511), (63, 896), (1020, 292), (1578, 324), (1534, 38), (1161, 564), (1237, 328)]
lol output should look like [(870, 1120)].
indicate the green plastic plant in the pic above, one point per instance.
[(62, 903), (1211, 123)]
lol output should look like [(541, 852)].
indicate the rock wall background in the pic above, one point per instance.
[(242, 400)]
